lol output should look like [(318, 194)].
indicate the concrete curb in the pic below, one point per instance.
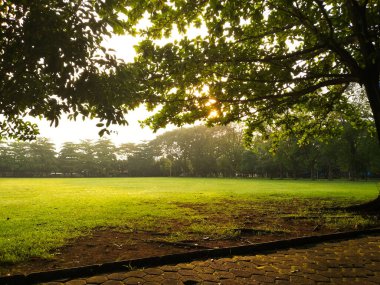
[(126, 265)]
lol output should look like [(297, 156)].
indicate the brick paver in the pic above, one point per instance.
[(355, 261)]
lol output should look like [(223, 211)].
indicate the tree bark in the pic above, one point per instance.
[(330, 175), (372, 88)]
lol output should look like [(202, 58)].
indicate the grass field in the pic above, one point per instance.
[(38, 215)]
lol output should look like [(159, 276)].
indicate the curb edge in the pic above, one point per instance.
[(125, 265)]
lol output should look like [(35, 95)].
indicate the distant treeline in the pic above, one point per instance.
[(198, 152)]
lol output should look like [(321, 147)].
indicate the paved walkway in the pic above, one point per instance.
[(354, 261)]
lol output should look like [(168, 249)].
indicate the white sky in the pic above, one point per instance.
[(74, 131)]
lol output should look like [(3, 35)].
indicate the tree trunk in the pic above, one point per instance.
[(372, 207), (330, 174), (372, 88), (312, 173), (371, 81)]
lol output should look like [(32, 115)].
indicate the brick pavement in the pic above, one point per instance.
[(355, 261)]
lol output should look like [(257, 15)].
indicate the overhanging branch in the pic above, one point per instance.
[(293, 94)]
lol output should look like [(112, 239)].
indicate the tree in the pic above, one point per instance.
[(273, 64), (19, 152), (288, 158), (52, 62), (124, 152), (201, 151), (41, 160), (358, 155), (165, 165), (69, 159), (267, 63), (86, 153), (142, 161), (329, 155), (105, 152), (230, 150), (5, 159), (249, 164)]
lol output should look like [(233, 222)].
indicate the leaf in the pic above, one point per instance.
[(101, 132)]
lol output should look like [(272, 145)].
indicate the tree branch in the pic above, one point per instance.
[(344, 55), (360, 25), (267, 33), (325, 15), (268, 59), (348, 77), (294, 94)]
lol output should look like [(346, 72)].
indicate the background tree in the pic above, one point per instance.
[(142, 162), (41, 157), (181, 152), (201, 151), (329, 154), (124, 152), (287, 158), (5, 159), (19, 153), (248, 167), (86, 158), (230, 150), (105, 154), (69, 159), (165, 165)]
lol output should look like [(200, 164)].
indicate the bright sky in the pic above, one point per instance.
[(74, 131)]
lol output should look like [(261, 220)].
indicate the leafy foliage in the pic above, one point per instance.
[(198, 152), (52, 62), (275, 65)]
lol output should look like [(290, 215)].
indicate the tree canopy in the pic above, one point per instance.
[(52, 62), (273, 64)]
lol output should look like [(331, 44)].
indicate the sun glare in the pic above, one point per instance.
[(213, 114)]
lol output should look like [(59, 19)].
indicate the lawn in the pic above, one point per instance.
[(40, 215)]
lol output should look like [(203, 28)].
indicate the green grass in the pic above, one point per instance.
[(38, 215)]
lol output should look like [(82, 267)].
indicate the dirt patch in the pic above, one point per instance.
[(249, 223), (108, 245)]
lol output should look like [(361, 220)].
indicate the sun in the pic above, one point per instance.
[(213, 114)]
